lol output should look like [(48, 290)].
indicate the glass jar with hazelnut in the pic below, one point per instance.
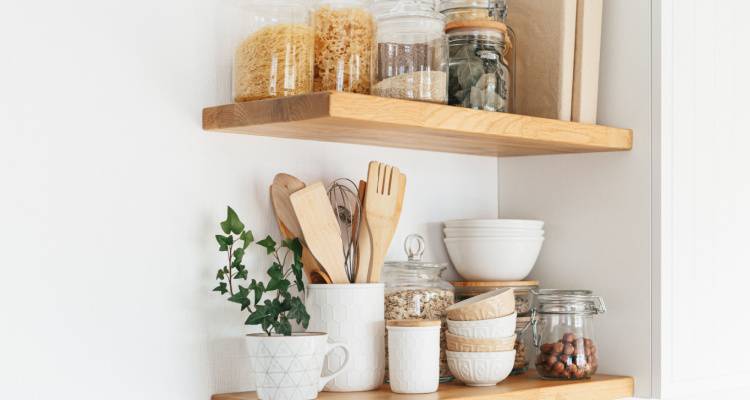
[(562, 323)]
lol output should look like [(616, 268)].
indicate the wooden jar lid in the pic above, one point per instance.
[(477, 23), (496, 284), (412, 323)]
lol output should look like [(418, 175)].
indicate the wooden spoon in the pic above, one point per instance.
[(320, 229), (282, 187)]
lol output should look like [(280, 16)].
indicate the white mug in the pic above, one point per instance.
[(289, 367)]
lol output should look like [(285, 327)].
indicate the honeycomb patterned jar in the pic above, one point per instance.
[(414, 355)]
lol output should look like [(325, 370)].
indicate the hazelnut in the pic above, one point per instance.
[(569, 349), (572, 369), (557, 348), (566, 359), (546, 348), (593, 349), (558, 368), (588, 342), (588, 351), (579, 374), (551, 360), (569, 337)]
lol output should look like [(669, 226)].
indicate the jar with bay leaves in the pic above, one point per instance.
[(415, 290), (479, 74)]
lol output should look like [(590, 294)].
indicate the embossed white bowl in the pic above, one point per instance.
[(484, 329), (481, 369)]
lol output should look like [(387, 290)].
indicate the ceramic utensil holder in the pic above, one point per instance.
[(351, 314), (414, 357)]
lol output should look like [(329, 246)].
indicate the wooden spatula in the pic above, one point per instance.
[(385, 185), (363, 240), (283, 186), (320, 229)]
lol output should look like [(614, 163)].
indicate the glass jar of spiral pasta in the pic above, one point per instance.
[(412, 57), (274, 56), (344, 40)]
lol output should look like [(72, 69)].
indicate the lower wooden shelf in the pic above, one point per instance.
[(522, 387)]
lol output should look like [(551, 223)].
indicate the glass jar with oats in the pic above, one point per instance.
[(414, 289), (344, 39), (274, 56), (412, 52)]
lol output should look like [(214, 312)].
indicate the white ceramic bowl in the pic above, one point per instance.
[(481, 369), (488, 232), (494, 259), (495, 223), (484, 329)]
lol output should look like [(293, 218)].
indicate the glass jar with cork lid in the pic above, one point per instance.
[(414, 290)]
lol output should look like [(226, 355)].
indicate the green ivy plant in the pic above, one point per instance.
[(275, 313)]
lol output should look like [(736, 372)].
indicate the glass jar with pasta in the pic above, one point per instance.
[(274, 56), (344, 39)]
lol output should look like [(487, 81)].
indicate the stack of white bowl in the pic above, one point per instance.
[(481, 336), (494, 249)]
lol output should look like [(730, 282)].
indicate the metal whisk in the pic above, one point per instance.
[(344, 197)]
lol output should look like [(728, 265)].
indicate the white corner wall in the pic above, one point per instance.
[(597, 207), (111, 193), (705, 203)]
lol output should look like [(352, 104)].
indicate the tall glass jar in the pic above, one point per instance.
[(562, 323), (472, 10), (479, 74), (412, 57), (414, 289), (275, 55), (344, 41)]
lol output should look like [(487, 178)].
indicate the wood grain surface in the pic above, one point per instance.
[(380, 121), (523, 387)]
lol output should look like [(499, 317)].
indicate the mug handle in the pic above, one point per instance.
[(325, 379)]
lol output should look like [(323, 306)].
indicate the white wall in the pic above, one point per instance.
[(111, 193), (705, 200), (598, 206)]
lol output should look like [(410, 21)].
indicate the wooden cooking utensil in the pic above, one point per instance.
[(320, 229), (385, 185), (282, 187), (363, 240)]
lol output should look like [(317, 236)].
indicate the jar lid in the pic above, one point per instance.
[(414, 248), (477, 23), (496, 284), (557, 301), (489, 4), (390, 9), (412, 323)]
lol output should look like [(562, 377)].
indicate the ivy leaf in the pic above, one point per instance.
[(294, 245), (258, 289), (223, 241), (220, 274), (298, 312), (283, 326), (221, 288), (241, 296), (241, 274), (278, 284), (256, 317), (238, 254), (268, 243), (247, 239), (232, 224), (276, 271)]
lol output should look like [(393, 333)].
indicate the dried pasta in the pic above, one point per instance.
[(344, 39), (275, 61)]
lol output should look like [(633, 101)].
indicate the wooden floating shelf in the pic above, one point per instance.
[(379, 121), (524, 387)]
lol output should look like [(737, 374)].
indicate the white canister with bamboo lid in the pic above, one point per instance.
[(414, 355)]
